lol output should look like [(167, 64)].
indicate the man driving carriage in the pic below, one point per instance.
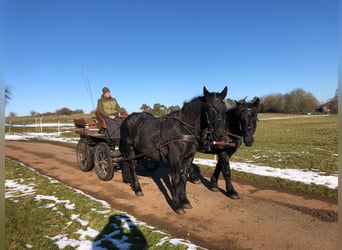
[(109, 108)]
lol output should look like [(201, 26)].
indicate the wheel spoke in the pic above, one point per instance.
[(84, 155), (103, 161)]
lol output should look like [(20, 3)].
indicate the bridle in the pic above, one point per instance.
[(246, 122), (245, 113), (213, 121)]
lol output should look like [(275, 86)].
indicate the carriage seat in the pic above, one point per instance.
[(101, 121)]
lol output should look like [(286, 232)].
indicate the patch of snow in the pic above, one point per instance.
[(304, 176), (43, 136), (32, 125), (67, 204), (177, 242), (82, 222), (62, 241), (14, 189), (87, 233)]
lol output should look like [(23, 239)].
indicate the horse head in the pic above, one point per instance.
[(247, 116), (241, 120), (214, 113)]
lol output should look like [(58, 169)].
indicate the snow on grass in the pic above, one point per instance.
[(177, 242), (39, 135), (14, 189), (33, 125), (55, 201), (304, 176), (308, 177), (82, 236)]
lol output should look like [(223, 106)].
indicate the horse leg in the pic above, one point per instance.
[(214, 177), (184, 177), (176, 182), (135, 185), (224, 162), (126, 173), (192, 176)]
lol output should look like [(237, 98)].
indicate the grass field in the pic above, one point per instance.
[(303, 142), (42, 213), (308, 142)]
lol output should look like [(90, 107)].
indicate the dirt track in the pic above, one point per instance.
[(261, 219)]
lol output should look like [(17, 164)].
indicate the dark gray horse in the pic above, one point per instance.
[(240, 125), (173, 139)]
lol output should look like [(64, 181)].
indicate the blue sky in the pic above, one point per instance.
[(165, 51)]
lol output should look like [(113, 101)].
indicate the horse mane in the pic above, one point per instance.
[(193, 101), (192, 108), (233, 113)]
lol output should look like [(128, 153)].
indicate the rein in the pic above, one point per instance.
[(234, 135)]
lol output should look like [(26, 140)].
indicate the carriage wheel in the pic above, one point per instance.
[(84, 155), (103, 161)]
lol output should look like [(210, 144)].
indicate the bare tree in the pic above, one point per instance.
[(8, 94), (300, 102), (64, 111), (12, 114), (273, 103), (34, 113), (297, 101)]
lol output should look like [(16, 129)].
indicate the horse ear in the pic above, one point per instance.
[(224, 93), (205, 91), (256, 102), (237, 103)]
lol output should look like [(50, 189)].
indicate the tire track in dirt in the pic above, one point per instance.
[(261, 219)]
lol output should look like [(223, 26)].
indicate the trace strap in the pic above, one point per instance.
[(180, 138)]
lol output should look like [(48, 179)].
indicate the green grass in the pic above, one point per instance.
[(33, 222), (303, 143)]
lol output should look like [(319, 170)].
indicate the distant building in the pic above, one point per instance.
[(322, 110)]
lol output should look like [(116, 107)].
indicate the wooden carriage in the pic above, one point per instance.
[(96, 148)]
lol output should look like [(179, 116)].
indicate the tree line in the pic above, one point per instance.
[(297, 101)]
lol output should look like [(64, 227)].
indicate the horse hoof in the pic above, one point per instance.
[(197, 181), (139, 193), (234, 196), (214, 189), (180, 211), (187, 206)]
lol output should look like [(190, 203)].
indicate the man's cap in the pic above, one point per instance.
[(105, 90)]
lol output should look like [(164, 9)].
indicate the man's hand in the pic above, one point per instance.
[(112, 117)]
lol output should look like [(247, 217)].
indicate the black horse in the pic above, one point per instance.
[(240, 124), (173, 139)]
